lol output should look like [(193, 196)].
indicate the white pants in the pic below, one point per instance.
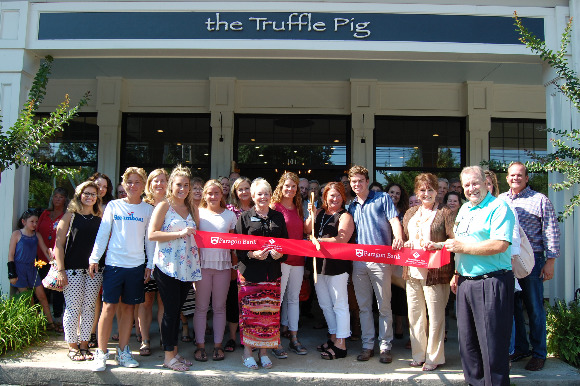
[(423, 299), (368, 278), (80, 296), (333, 300), (290, 285)]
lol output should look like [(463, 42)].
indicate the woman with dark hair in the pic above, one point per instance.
[(377, 187), (452, 200), (427, 227), (72, 251), (399, 197), (286, 201), (105, 188), (333, 224), (46, 228)]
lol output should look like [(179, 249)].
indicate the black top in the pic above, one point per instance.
[(274, 225), (80, 241), (329, 225)]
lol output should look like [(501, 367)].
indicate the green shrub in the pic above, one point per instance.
[(563, 326), (21, 323)]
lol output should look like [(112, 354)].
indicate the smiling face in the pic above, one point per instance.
[(102, 184), (89, 196), (517, 178), (427, 195), (452, 202), (473, 187), (159, 186), (243, 192), (289, 189), (303, 185), (196, 192), (414, 201), (359, 184), (261, 197), (213, 196), (180, 187), (134, 186), (489, 184), (333, 200), (395, 193), (226, 185)]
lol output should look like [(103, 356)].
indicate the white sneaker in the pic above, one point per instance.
[(125, 358), (100, 360)]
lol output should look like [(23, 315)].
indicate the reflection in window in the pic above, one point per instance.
[(311, 145), (164, 140), (510, 140), (407, 146)]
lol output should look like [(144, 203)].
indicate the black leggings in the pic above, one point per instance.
[(232, 303), (173, 293)]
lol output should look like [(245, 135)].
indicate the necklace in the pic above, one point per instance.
[(90, 216), (264, 216), (421, 222), (324, 223)]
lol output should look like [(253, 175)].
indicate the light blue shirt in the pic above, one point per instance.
[(372, 219), (491, 219)]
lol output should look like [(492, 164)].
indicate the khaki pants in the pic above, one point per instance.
[(420, 300)]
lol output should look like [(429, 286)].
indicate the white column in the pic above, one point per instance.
[(109, 97), (479, 107), (222, 103), (17, 69), (562, 115), (363, 94)]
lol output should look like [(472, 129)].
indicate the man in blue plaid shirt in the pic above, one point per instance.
[(538, 220)]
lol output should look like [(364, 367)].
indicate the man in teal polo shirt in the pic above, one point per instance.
[(483, 282)]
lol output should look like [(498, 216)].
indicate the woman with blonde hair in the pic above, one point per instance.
[(75, 237), (286, 201), (176, 259), (216, 265), (155, 192)]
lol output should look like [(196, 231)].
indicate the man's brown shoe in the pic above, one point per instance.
[(386, 356), (535, 364), (365, 355), (516, 356)]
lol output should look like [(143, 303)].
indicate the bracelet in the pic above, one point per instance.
[(235, 267), (456, 274)]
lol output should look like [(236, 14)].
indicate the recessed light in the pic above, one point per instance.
[(178, 144), (415, 147), (435, 135), (257, 147), (260, 155), (401, 157), (336, 140), (160, 131), (265, 162), (206, 154), (295, 151), (253, 139)]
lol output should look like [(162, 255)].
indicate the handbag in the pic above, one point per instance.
[(50, 280), (523, 264)]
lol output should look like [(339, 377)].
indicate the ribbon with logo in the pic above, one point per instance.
[(355, 252)]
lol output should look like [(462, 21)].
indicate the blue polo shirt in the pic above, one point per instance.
[(372, 219), (491, 219)]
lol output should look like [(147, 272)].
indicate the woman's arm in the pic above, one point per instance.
[(309, 223), (59, 246), (157, 219), (345, 230), (43, 247)]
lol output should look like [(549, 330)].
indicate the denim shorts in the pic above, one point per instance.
[(126, 283)]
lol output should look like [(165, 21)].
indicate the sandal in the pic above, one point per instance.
[(139, 338), (54, 327), (416, 364), (230, 346), (250, 363), (297, 347), (279, 353), (286, 334), (218, 354), (93, 343), (75, 355), (175, 365), (265, 362), (427, 367), (87, 354), (186, 338), (325, 346), (333, 353), (145, 349), (183, 360), (115, 337), (202, 357)]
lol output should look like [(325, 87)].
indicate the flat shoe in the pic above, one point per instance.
[(145, 349), (183, 360), (265, 362), (250, 363), (416, 364), (218, 354), (87, 354), (202, 357), (298, 348), (230, 346), (75, 355), (427, 367), (175, 365), (279, 353)]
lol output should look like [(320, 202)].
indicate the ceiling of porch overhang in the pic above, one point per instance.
[(298, 69)]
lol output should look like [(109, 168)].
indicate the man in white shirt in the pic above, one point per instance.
[(123, 235)]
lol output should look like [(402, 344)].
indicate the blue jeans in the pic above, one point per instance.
[(532, 295)]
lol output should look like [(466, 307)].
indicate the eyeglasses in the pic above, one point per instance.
[(91, 195), (196, 189)]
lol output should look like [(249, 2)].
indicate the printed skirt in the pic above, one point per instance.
[(259, 313)]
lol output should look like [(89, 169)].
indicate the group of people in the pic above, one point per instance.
[(123, 251)]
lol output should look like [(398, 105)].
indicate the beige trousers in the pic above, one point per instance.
[(422, 299)]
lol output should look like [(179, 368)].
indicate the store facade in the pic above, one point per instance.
[(311, 87)]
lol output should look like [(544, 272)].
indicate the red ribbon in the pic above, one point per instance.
[(356, 252)]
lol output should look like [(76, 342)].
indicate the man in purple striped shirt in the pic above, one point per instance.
[(538, 220)]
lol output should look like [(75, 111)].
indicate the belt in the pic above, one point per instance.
[(487, 275)]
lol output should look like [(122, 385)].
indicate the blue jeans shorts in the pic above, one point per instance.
[(126, 283)]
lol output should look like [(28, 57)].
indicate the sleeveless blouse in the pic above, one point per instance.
[(80, 241), (25, 252), (327, 226), (295, 227), (178, 258)]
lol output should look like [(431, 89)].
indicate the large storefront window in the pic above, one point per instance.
[(75, 147), (315, 147), (514, 140), (154, 141), (407, 146)]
